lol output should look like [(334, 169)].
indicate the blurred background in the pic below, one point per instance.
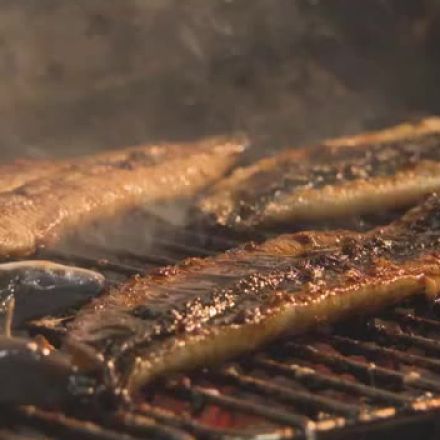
[(79, 76)]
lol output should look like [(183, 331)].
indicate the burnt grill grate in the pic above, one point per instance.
[(354, 378)]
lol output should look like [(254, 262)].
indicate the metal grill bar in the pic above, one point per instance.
[(370, 372), (234, 403), (92, 263), (408, 317), (370, 348), (215, 240), (298, 404), (305, 399), (142, 425), (408, 338), (310, 377), (184, 249), (195, 428), (151, 258), (65, 427), (6, 434)]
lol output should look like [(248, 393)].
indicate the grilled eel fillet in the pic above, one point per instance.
[(23, 171), (362, 174), (206, 310), (105, 185)]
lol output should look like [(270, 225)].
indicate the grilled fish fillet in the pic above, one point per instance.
[(362, 174), (106, 185), (206, 310), (23, 171)]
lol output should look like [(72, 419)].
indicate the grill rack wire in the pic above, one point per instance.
[(357, 378)]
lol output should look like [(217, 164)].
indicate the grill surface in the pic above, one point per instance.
[(368, 377)]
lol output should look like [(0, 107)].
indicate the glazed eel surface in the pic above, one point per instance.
[(362, 174), (206, 310), (42, 209)]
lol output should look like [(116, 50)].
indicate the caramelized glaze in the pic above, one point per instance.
[(208, 309), (332, 179)]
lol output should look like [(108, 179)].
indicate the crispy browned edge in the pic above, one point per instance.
[(355, 197), (21, 171), (38, 211), (24, 170), (390, 283)]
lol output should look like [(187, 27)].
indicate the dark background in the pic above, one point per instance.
[(78, 76)]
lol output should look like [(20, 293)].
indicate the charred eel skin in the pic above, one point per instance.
[(206, 310), (362, 174)]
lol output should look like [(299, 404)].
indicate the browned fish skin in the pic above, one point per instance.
[(22, 171), (362, 174), (108, 184), (208, 309)]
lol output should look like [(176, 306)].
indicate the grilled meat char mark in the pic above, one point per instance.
[(107, 185), (350, 176), (206, 310)]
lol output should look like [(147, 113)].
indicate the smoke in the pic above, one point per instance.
[(83, 76), (139, 236), (77, 77)]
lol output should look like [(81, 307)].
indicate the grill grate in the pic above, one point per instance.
[(357, 377)]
